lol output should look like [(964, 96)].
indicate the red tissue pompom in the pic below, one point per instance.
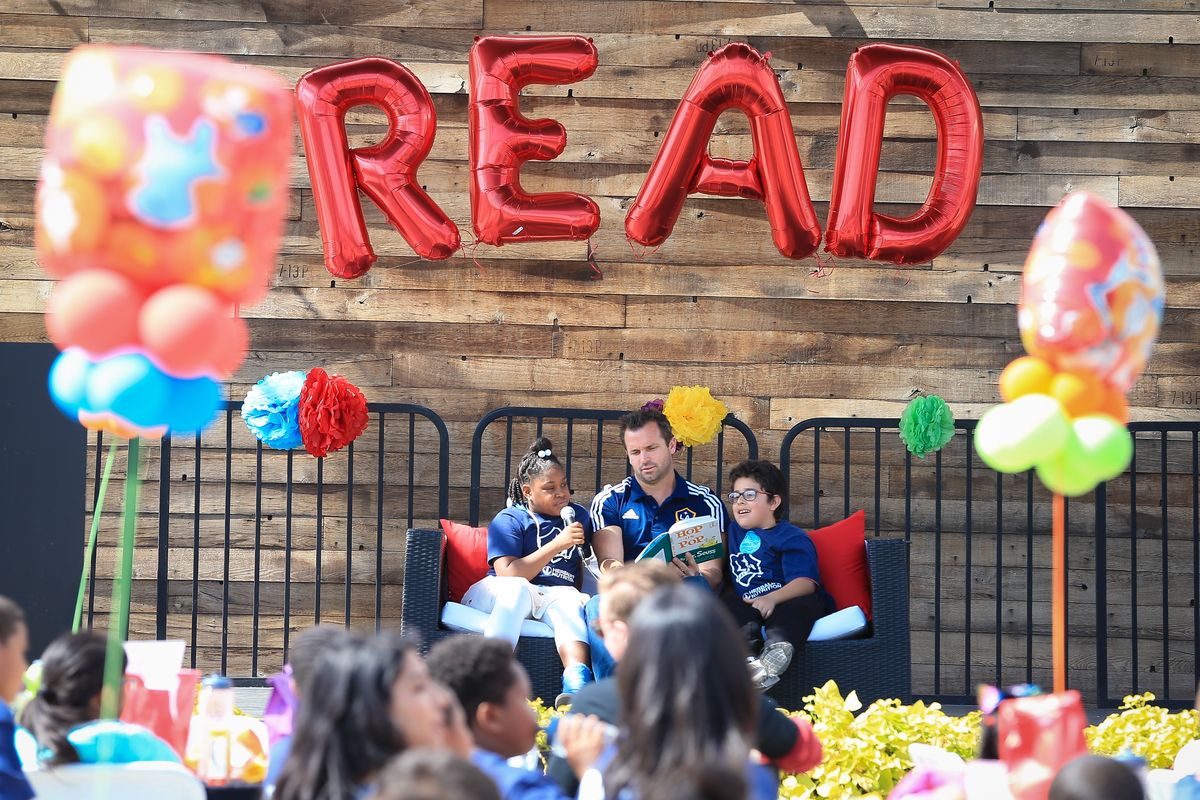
[(333, 412)]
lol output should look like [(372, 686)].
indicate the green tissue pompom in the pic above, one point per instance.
[(926, 425)]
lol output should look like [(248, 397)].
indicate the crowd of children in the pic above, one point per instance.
[(679, 719)]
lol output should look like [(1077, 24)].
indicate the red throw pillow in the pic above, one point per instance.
[(842, 561), (466, 556)]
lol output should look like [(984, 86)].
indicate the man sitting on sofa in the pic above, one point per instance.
[(626, 516)]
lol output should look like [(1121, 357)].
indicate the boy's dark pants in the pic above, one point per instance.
[(791, 621)]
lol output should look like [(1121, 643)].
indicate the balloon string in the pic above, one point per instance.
[(118, 614), (641, 256), (597, 273), (1058, 622), (468, 251), (91, 546)]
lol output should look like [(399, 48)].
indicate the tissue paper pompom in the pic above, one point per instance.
[(926, 425), (654, 405), (333, 412), (271, 410), (695, 415)]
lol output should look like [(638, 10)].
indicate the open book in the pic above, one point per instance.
[(700, 536)]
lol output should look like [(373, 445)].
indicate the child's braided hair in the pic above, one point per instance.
[(539, 458)]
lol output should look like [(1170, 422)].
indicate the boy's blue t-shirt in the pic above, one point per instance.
[(13, 783), (516, 783), (762, 561), (517, 532)]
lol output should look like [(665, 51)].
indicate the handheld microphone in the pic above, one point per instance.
[(567, 514)]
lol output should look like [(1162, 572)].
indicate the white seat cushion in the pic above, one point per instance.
[(464, 619), (843, 624)]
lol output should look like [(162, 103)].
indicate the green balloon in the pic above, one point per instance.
[(1106, 444), (1015, 436), (1068, 472)]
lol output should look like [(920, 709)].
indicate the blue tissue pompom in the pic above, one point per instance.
[(272, 410)]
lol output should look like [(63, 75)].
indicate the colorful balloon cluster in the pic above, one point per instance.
[(160, 208), (1091, 306), (321, 411)]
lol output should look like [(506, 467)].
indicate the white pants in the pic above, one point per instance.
[(511, 600)]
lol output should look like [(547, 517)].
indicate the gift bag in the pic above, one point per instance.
[(1037, 737), (165, 711)]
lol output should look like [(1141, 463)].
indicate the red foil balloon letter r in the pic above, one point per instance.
[(386, 172)]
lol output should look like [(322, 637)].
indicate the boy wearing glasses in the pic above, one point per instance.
[(777, 593)]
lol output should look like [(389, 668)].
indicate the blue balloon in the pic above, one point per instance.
[(193, 403), (131, 387), (68, 381)]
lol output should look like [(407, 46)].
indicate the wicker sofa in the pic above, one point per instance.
[(875, 666)]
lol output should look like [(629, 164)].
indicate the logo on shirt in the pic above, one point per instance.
[(545, 536), (684, 513), (746, 568), (630, 514), (751, 543)]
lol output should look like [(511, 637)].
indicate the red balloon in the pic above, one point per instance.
[(182, 328), (736, 76), (502, 139), (386, 172), (95, 309), (877, 73)]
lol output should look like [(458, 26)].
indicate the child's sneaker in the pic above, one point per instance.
[(575, 677), (777, 657), (758, 674)]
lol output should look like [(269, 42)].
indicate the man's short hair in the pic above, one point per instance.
[(636, 420), (422, 774), (477, 669), (308, 647), (1093, 777), (11, 616), (628, 585)]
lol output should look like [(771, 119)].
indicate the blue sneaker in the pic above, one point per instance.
[(575, 677)]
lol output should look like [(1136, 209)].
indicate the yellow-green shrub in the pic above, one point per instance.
[(1147, 730)]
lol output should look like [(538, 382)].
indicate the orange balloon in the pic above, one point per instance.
[(1080, 393), (1115, 405), (95, 309), (1025, 375), (179, 327), (72, 216), (235, 340)]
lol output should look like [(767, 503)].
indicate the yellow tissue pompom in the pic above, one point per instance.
[(695, 415)]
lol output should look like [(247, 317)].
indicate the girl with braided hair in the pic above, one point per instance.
[(536, 564)]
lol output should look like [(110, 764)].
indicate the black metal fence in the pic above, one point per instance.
[(980, 558), (581, 436), (252, 544), (298, 508)]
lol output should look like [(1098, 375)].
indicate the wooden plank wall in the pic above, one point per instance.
[(1102, 95)]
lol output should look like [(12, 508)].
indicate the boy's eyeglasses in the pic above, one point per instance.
[(749, 495)]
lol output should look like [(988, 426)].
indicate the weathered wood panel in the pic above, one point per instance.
[(1102, 95)]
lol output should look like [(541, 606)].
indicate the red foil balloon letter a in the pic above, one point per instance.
[(876, 74), (736, 76), (502, 139), (386, 172)]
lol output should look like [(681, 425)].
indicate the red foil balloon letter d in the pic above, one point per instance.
[(876, 74)]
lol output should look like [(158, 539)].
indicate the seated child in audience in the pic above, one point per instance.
[(537, 564), (302, 658), (493, 689), (777, 588), (64, 716), (1096, 778), (433, 775), (14, 641), (688, 709), (365, 702), (788, 743)]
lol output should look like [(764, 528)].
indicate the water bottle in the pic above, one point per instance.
[(556, 748), (214, 765)]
